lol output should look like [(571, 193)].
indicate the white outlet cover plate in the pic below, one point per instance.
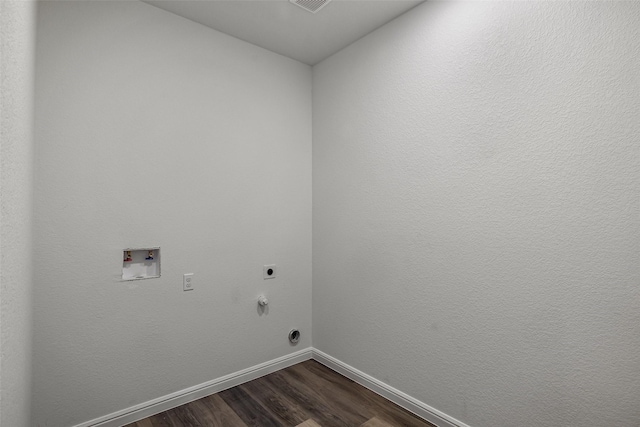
[(187, 282), (265, 272)]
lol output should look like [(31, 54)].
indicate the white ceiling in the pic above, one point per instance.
[(287, 29)]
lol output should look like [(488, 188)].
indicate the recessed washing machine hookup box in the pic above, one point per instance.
[(140, 263)]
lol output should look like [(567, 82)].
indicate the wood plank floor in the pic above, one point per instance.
[(306, 395)]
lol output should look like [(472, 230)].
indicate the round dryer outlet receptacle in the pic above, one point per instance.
[(269, 271)]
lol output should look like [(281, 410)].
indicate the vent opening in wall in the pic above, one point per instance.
[(310, 5), (294, 336)]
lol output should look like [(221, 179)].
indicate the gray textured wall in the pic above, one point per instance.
[(476, 233)]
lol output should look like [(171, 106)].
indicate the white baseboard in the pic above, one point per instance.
[(401, 399), (170, 401)]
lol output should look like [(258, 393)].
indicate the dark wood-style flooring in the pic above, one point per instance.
[(307, 395)]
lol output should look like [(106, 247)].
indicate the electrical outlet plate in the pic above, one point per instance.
[(187, 282), (269, 272)]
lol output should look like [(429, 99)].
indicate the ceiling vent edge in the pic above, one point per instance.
[(312, 6)]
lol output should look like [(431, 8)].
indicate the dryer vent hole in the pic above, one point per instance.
[(294, 336)]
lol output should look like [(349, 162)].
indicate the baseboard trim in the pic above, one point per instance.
[(170, 401), (401, 399)]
